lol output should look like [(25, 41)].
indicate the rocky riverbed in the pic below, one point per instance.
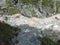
[(32, 28)]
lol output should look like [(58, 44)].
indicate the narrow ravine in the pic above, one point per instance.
[(32, 28)]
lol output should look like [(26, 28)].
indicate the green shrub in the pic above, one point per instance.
[(29, 1), (48, 3), (7, 32), (11, 8), (48, 41), (57, 6)]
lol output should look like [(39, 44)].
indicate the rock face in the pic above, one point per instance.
[(34, 26), (34, 10), (2, 2), (42, 8), (52, 31), (31, 10), (27, 39), (31, 26)]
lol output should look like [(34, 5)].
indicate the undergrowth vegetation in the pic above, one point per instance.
[(58, 7), (11, 9), (29, 1), (7, 32), (47, 41), (48, 3)]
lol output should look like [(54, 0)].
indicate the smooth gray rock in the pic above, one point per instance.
[(28, 39)]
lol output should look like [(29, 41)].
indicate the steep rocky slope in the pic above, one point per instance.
[(35, 18), (49, 27), (30, 8)]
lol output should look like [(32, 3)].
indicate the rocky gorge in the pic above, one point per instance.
[(33, 20), (34, 27)]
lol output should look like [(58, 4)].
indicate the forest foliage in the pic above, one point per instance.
[(7, 32)]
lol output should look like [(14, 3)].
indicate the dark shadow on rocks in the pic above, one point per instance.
[(30, 35), (27, 36), (6, 33)]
